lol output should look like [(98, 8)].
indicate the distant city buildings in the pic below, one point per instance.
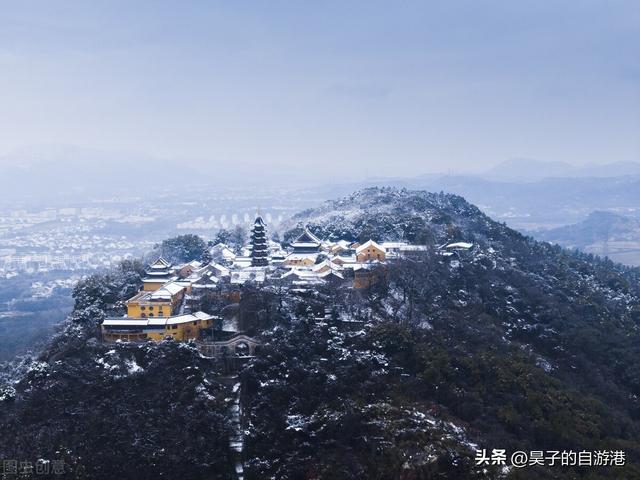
[(84, 238)]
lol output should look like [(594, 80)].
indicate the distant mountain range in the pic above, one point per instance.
[(69, 172), (59, 172), (52, 171), (533, 170), (601, 233)]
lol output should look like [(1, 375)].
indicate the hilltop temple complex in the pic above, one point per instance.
[(163, 306)]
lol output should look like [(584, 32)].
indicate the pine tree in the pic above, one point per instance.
[(206, 257), (259, 246)]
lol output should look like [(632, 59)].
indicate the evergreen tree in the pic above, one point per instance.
[(237, 238), (223, 236), (207, 258), (182, 248)]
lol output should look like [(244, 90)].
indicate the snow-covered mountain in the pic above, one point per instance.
[(602, 233), (529, 170), (514, 344), (524, 204)]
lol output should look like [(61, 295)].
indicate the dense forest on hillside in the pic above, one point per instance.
[(115, 410)]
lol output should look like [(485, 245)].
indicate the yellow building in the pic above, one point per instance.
[(339, 247), (162, 302), (327, 266), (339, 260), (370, 251), (366, 277), (180, 328), (142, 306), (300, 259)]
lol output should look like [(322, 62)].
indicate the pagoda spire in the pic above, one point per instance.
[(259, 245)]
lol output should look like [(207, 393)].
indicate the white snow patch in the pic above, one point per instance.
[(133, 367), (296, 422)]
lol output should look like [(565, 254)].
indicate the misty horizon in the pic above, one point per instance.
[(38, 155), (357, 92)]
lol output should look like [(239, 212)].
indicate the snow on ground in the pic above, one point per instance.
[(7, 392), (296, 422), (236, 439), (133, 367), (106, 365), (230, 324)]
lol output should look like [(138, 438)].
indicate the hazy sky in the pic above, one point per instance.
[(369, 87)]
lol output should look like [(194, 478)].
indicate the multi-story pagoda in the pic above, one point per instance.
[(259, 244)]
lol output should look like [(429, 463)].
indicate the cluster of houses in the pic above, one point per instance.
[(163, 307)]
